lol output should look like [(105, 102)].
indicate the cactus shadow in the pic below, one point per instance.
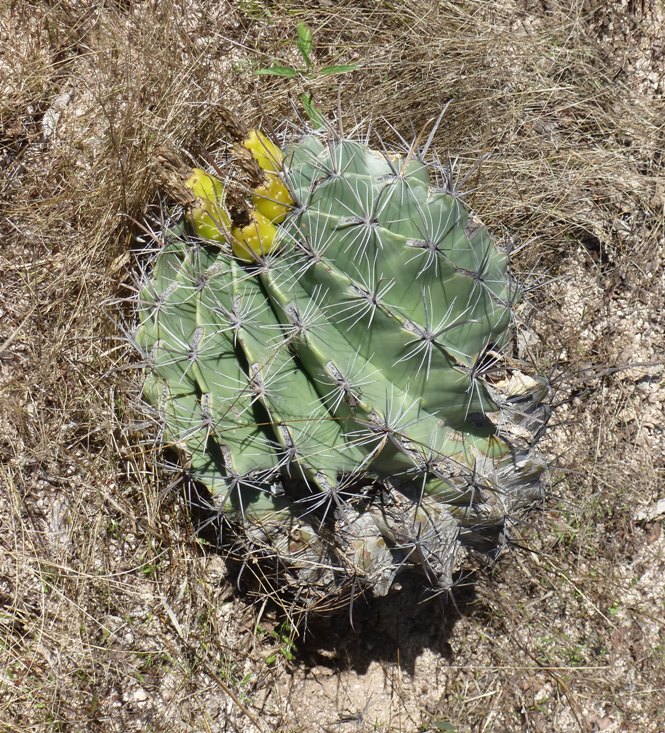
[(396, 628)]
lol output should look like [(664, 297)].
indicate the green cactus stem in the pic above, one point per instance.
[(340, 388)]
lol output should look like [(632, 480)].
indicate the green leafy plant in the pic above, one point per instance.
[(284, 637), (307, 72)]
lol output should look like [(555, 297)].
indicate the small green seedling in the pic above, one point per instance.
[(307, 72), (284, 637)]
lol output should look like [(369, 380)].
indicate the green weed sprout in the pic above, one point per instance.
[(307, 72)]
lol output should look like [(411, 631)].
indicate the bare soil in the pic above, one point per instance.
[(113, 616)]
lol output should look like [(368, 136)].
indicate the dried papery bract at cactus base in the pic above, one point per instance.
[(343, 393)]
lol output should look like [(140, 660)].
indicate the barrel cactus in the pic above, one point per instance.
[(331, 363)]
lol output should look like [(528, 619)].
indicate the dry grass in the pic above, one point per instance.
[(112, 618)]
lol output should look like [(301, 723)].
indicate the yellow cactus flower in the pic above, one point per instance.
[(273, 199), (264, 151), (209, 218), (257, 238)]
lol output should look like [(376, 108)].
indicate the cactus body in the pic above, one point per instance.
[(326, 373)]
